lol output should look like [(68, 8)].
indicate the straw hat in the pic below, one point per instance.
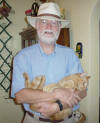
[(49, 11)]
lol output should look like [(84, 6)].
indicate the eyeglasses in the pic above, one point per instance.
[(45, 22)]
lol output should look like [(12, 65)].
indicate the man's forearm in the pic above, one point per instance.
[(31, 96)]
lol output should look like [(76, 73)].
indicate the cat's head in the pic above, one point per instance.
[(84, 80), (75, 81)]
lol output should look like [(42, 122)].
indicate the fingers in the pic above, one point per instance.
[(81, 94), (45, 113), (77, 97), (47, 109), (74, 100), (72, 103)]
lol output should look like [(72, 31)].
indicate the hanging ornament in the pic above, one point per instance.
[(5, 10), (35, 8)]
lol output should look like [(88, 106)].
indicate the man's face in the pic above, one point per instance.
[(48, 30)]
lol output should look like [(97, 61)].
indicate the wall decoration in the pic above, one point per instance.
[(5, 53), (79, 49), (34, 9)]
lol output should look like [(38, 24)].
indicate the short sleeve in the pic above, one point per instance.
[(19, 67)]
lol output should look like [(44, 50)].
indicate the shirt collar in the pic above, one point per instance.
[(44, 54)]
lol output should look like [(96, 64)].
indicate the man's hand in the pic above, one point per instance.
[(67, 96), (81, 94), (47, 108)]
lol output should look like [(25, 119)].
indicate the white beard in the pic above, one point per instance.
[(46, 39)]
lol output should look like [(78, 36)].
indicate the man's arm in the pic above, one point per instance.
[(67, 96), (31, 96), (40, 99)]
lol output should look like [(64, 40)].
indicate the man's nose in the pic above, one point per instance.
[(49, 25)]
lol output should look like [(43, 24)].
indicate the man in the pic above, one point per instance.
[(49, 59)]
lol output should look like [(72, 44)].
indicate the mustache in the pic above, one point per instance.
[(47, 31)]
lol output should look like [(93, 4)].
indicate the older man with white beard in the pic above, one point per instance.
[(49, 59)]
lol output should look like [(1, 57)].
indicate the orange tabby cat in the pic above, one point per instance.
[(76, 81)]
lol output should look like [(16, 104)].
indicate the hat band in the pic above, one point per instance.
[(49, 15)]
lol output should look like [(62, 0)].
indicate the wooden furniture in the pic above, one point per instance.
[(28, 37), (64, 37)]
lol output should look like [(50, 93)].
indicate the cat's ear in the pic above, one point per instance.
[(88, 77), (85, 74)]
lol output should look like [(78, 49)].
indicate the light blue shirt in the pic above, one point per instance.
[(32, 60)]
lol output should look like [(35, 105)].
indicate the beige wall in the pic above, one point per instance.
[(94, 68), (84, 27)]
